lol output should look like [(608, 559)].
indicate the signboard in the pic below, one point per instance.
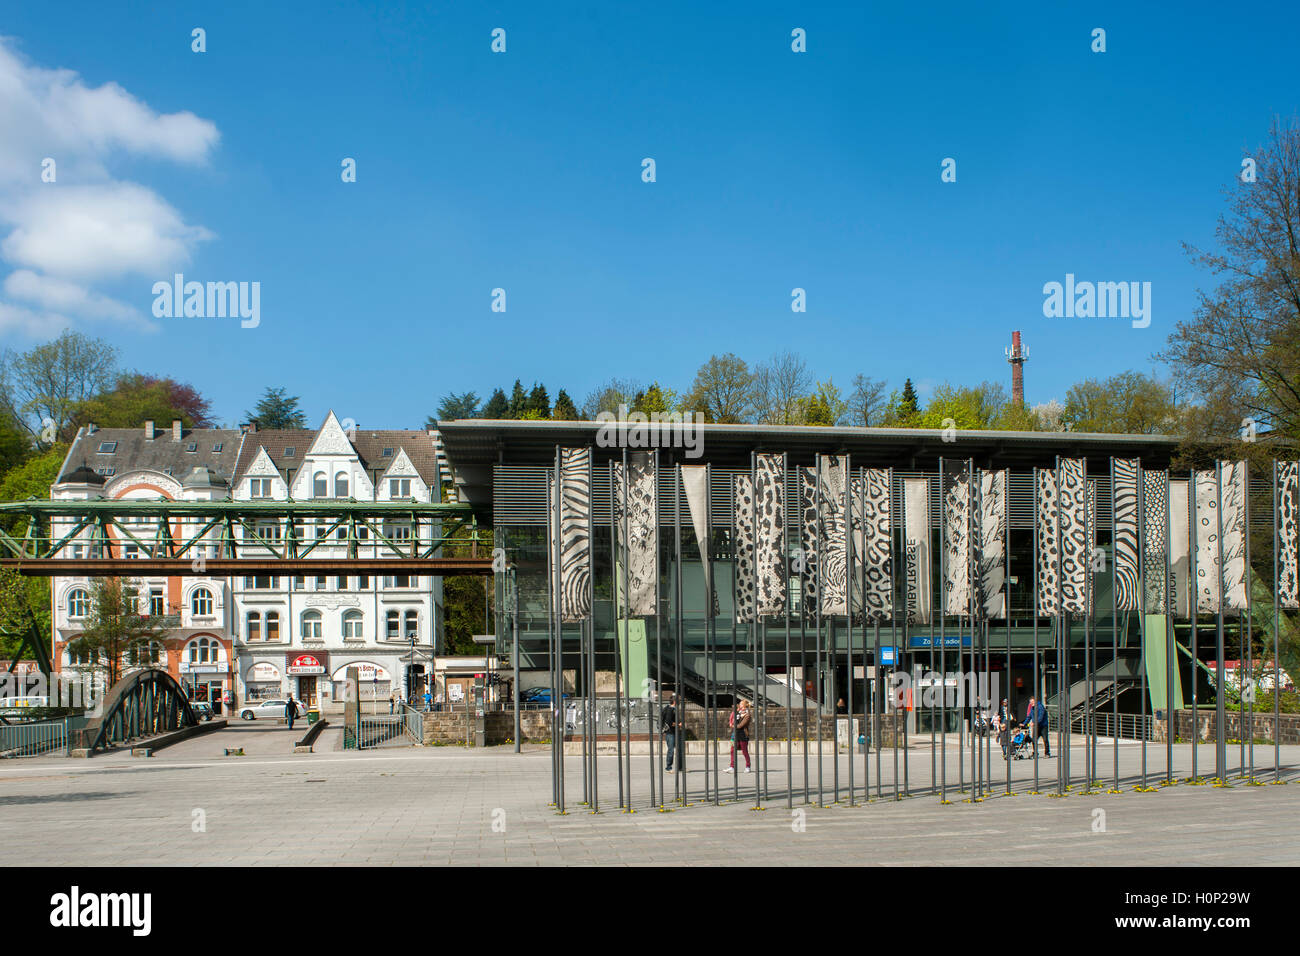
[(367, 672), (304, 664), (262, 672), (949, 640), (188, 668), (888, 656), (455, 692)]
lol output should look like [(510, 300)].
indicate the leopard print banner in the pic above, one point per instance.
[(769, 533), (873, 546), (1209, 582), (1288, 534), (1075, 556), (1155, 545), (743, 492), (1047, 582)]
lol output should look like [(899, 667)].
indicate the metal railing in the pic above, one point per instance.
[(413, 723), (1103, 724), (32, 740), (375, 729)]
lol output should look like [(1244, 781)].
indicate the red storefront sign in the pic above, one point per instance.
[(305, 664)]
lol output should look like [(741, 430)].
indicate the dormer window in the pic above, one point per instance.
[(290, 451), (386, 453), (192, 446), (218, 446), (107, 471), (107, 447)]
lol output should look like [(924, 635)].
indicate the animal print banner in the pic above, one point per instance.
[(636, 527), (916, 529), (1155, 546), (743, 523), (769, 533), (833, 570), (957, 544), (993, 543), (1072, 500), (695, 484), (1232, 502), (1288, 534), (1209, 583), (1179, 547), (808, 528), (1046, 577), (873, 545), (1124, 508), (1090, 546), (575, 534)]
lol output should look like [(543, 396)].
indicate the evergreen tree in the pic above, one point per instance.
[(909, 404), (539, 402), (278, 410), (497, 406), (518, 401), (565, 410)]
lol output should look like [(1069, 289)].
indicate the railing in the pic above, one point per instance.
[(413, 722), (32, 740), (1130, 725), (375, 729)]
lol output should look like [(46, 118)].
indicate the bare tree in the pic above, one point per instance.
[(1239, 354), (780, 388), (41, 388), (721, 390), (608, 397), (867, 401)]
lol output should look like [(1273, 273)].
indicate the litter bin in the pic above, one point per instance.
[(313, 715)]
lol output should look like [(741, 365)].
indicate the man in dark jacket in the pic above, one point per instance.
[(1036, 723), (668, 726), (290, 710)]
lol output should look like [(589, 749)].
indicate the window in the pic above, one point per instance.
[(289, 451), (386, 453), (392, 626), (322, 583), (412, 624), (139, 655), (201, 602), (397, 530), (131, 551), (218, 446), (260, 487), (253, 626), (261, 582), (352, 625), (272, 625), (108, 472), (299, 582), (319, 485), (363, 582), (204, 651), (399, 487), (268, 530), (341, 485), (79, 653), (78, 602), (192, 447), (311, 625), (107, 447), (399, 581), (341, 583), (157, 606)]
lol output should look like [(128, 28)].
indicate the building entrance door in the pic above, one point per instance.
[(307, 691)]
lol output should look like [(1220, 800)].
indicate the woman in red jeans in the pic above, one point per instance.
[(740, 735)]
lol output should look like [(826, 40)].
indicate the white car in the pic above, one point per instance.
[(270, 708)]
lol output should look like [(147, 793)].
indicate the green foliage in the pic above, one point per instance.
[(825, 406), (25, 602), (518, 401), (115, 630), (40, 388), (453, 407), (565, 410), (908, 404), (497, 406), (539, 403), (277, 409), (655, 399), (1129, 402), (136, 399)]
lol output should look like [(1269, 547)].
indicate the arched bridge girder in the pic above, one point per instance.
[(145, 703)]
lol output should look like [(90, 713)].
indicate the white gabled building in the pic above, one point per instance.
[(256, 637)]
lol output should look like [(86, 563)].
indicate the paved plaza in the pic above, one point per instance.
[(191, 804)]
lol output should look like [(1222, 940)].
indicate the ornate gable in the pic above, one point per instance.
[(332, 440)]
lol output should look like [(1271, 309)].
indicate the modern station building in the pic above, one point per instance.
[(501, 468)]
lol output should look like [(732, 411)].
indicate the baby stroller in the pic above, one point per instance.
[(1015, 744)]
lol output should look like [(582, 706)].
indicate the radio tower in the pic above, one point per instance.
[(1017, 357)]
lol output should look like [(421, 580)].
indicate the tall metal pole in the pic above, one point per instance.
[(1277, 664), (820, 586), (789, 677), (1246, 714), (1220, 687), (654, 704), (618, 535), (1114, 626), (710, 679), (1169, 639), (679, 685), (591, 634), (848, 606), (1193, 599), (942, 614), (1038, 588), (1143, 570)]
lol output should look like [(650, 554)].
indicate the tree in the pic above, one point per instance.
[(25, 601), (518, 401), (276, 409), (608, 397), (655, 400), (824, 406), (453, 407), (539, 402), (780, 387), (115, 632), (1239, 353), (866, 402), (497, 407), (722, 390), (40, 388), (1130, 402), (136, 398), (15, 444), (565, 410), (909, 404)]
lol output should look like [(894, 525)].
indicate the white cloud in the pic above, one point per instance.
[(85, 227)]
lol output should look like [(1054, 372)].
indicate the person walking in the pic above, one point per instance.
[(428, 702), (670, 727), (741, 720), (290, 710), (1036, 723), (392, 702)]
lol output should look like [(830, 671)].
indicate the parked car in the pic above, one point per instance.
[(269, 708), (535, 698), (202, 709)]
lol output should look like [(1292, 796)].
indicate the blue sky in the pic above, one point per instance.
[(522, 171)]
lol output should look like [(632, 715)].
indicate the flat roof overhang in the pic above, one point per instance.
[(473, 446)]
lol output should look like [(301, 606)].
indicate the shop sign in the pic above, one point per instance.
[(304, 664)]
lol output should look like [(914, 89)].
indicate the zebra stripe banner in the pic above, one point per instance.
[(1155, 545), (833, 572), (1232, 503), (769, 533), (916, 530), (1179, 547), (1124, 508), (957, 544), (993, 543), (636, 527), (575, 540), (873, 545), (1288, 534), (1209, 583)]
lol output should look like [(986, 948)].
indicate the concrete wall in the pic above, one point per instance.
[(1205, 721)]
